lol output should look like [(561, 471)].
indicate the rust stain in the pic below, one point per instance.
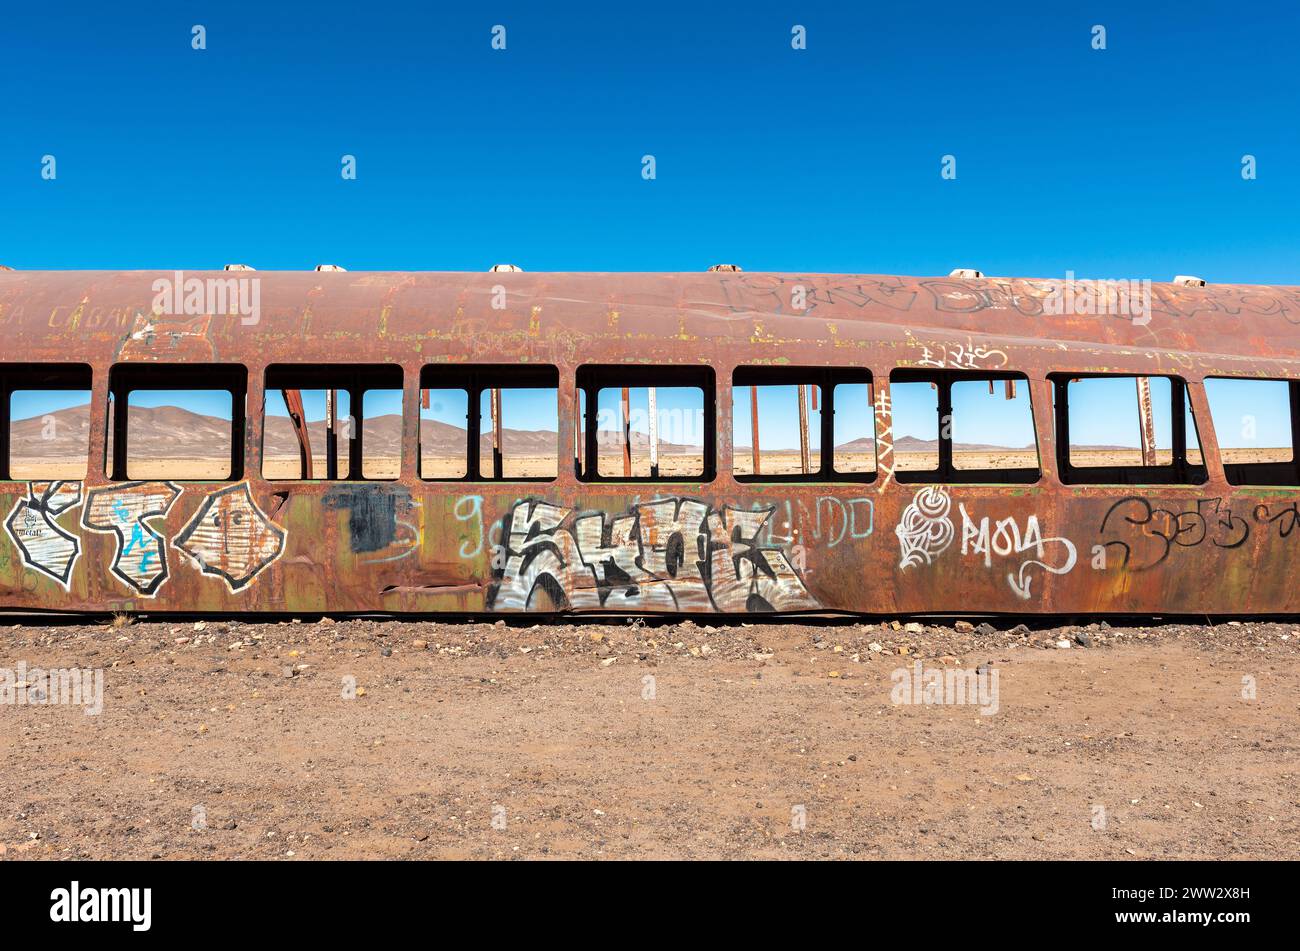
[(875, 546)]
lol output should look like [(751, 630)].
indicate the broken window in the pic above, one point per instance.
[(325, 413), (644, 423), (1125, 430), (993, 425), (44, 421), (486, 422), (332, 422), (444, 421), (790, 424), (915, 406), (176, 421), (1255, 423), (955, 426), (855, 428), (381, 432)]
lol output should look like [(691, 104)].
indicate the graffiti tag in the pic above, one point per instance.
[(670, 555)]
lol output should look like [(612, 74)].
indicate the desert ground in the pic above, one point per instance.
[(685, 467), (317, 739)]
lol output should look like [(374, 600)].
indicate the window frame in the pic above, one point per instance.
[(358, 379), (124, 378), (1275, 473), (476, 379), (591, 378), (946, 473), (1180, 406), (39, 376), (827, 378)]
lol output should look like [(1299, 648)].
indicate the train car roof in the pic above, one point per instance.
[(342, 316)]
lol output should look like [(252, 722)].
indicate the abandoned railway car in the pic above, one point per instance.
[(716, 442)]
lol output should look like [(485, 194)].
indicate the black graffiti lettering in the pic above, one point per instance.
[(1153, 531), (1285, 519)]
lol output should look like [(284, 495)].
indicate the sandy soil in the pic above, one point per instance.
[(231, 739), (789, 463), (670, 466), (683, 466)]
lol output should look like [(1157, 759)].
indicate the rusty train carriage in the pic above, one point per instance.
[(879, 547)]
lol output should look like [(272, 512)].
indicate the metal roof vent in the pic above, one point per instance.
[(966, 273), (504, 267), (329, 267), (239, 267), (1186, 280), (726, 267)]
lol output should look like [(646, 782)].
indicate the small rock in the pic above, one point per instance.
[(420, 645), (985, 629), (1063, 644), (875, 647), (963, 627), (913, 628), (1083, 639)]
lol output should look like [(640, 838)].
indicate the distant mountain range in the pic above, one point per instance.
[(169, 431)]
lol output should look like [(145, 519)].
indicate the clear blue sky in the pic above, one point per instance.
[(1116, 163), (1123, 162)]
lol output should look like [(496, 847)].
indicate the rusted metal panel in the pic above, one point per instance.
[(625, 407), (722, 546), (1146, 421), (803, 428), (654, 432)]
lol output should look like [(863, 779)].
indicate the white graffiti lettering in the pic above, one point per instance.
[(925, 531), (666, 555), (1005, 539), (42, 542)]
